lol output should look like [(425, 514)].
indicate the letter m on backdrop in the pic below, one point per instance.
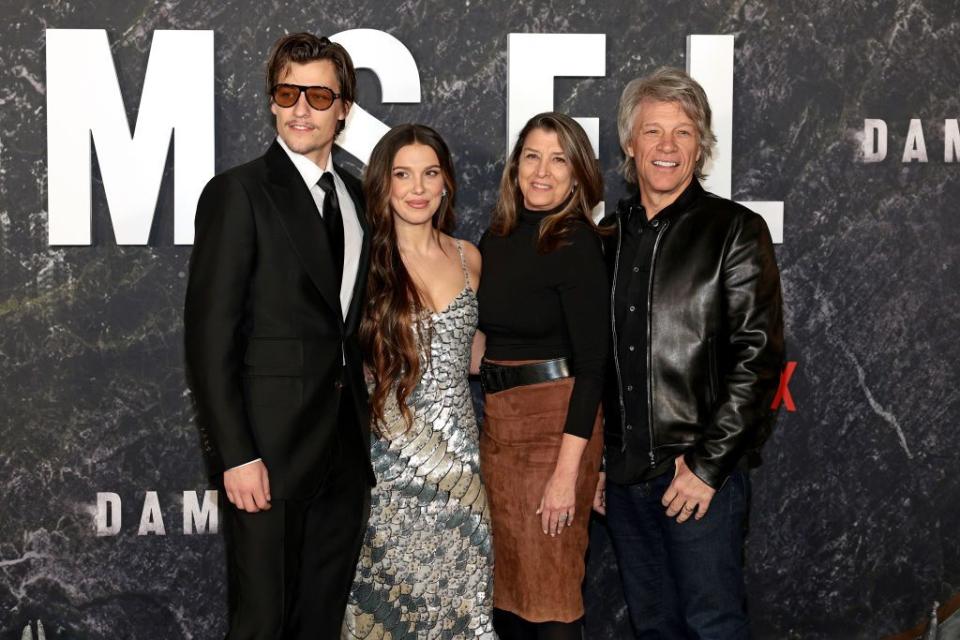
[(84, 103)]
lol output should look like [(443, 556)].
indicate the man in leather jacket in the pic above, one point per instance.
[(697, 353)]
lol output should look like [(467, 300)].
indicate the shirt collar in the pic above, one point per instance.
[(306, 167), (684, 201), (631, 204)]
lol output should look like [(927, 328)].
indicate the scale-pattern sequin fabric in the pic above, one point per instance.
[(426, 568)]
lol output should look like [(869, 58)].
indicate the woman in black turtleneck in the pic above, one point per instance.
[(544, 308)]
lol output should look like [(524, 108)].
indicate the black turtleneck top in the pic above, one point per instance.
[(540, 306)]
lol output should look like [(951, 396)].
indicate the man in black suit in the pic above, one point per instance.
[(277, 278)]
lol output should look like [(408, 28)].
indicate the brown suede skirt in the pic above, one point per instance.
[(535, 576)]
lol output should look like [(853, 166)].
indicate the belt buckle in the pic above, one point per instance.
[(484, 372), (490, 376)]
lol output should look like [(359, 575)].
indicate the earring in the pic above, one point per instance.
[(443, 194)]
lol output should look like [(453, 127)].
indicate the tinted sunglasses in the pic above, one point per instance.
[(286, 95)]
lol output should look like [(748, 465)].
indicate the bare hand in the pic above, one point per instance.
[(248, 487), (558, 503), (600, 496), (687, 494)]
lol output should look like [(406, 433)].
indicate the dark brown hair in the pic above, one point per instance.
[(301, 48), (587, 192), (394, 319)]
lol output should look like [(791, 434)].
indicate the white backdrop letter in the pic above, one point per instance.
[(83, 98), (710, 62), (395, 68)]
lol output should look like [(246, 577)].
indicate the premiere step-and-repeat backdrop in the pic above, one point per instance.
[(838, 122)]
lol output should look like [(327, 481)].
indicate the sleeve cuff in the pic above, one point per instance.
[(711, 476), (244, 464)]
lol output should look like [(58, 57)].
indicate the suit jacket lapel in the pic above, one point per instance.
[(299, 215), (359, 286)]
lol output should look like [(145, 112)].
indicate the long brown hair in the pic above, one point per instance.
[(393, 321), (587, 193)]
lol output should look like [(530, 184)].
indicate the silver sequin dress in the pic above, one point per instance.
[(426, 568)]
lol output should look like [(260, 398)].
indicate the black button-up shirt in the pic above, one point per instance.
[(629, 452)]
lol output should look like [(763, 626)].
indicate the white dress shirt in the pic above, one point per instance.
[(352, 231)]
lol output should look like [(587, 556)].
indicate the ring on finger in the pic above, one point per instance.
[(688, 507)]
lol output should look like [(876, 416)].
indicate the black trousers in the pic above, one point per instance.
[(290, 568)]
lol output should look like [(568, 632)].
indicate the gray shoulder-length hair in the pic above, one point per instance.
[(666, 84)]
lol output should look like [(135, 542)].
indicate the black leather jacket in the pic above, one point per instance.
[(715, 336)]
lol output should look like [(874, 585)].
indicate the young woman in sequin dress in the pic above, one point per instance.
[(426, 566)]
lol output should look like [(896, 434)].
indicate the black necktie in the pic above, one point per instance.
[(333, 220)]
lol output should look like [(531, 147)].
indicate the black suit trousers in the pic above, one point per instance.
[(290, 568)]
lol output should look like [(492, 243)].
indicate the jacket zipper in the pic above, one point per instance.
[(616, 341), (653, 266)]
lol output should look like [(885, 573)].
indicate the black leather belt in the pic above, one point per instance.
[(500, 377)]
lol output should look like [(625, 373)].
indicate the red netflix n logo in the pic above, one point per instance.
[(783, 392)]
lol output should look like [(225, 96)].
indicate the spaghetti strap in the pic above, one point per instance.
[(463, 263)]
